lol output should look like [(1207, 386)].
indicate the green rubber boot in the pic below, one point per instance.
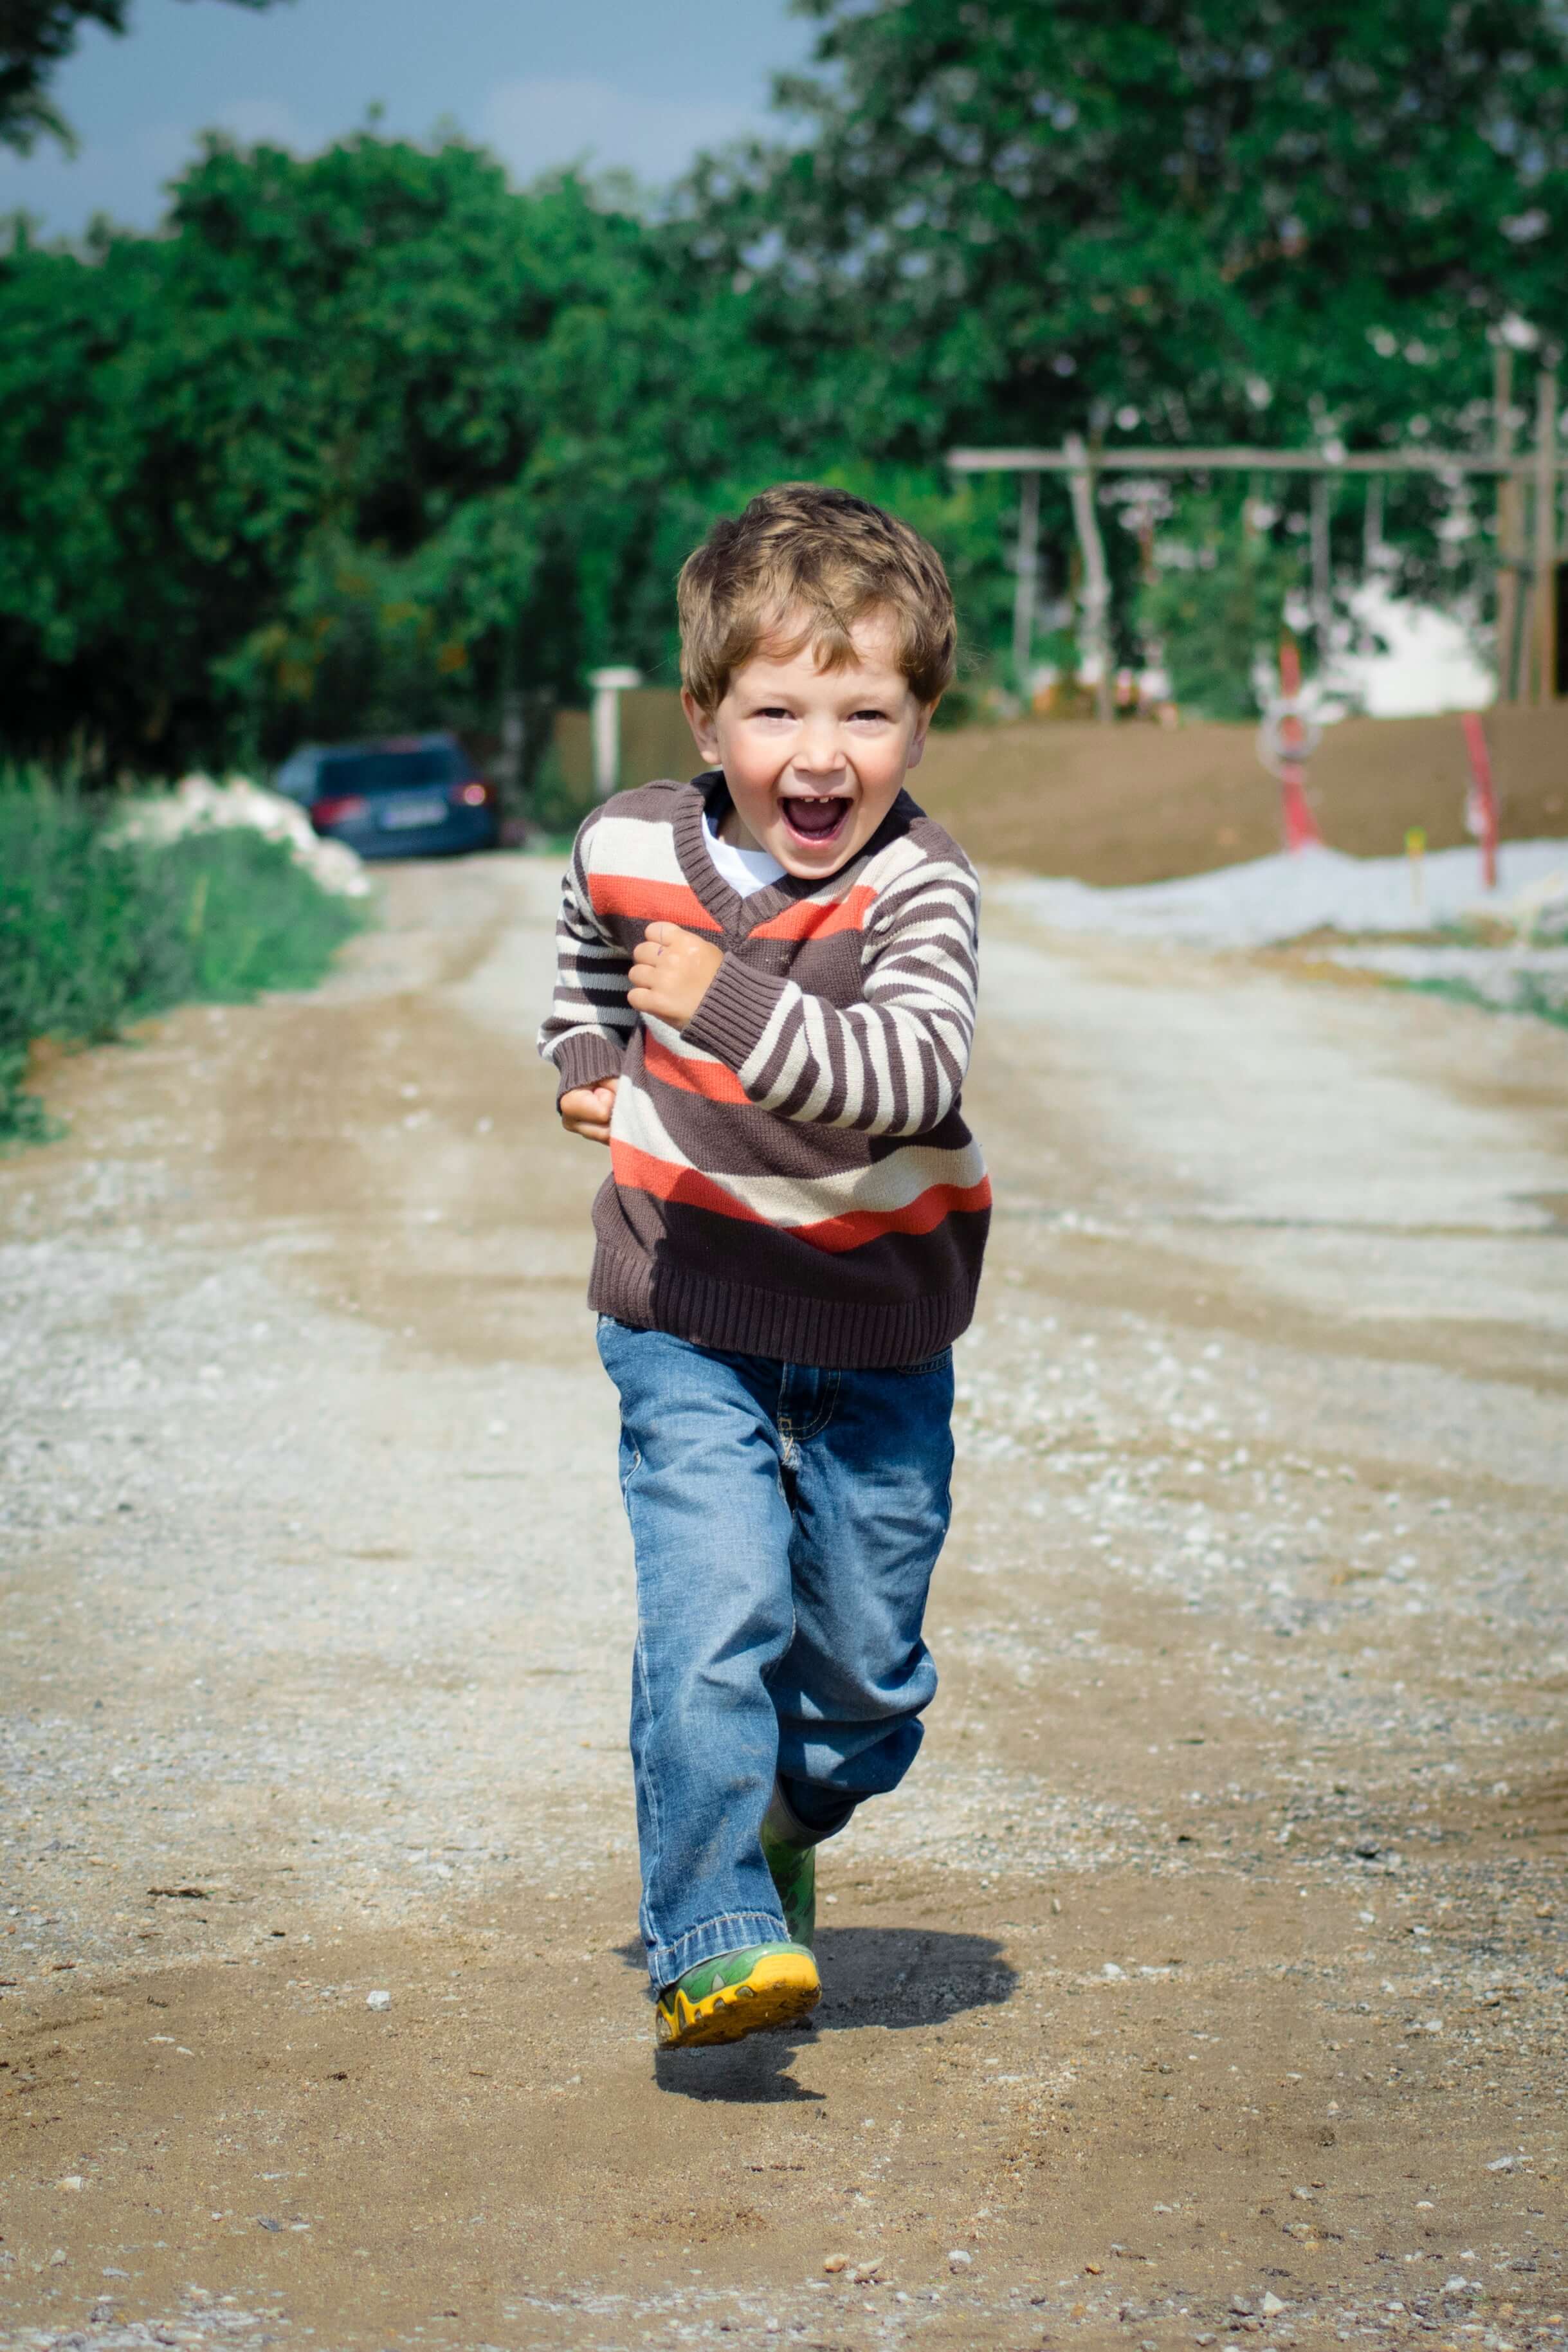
[(793, 1868), (739, 1993)]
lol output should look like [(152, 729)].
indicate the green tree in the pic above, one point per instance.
[(1217, 606), (367, 426), (1017, 217), (37, 36)]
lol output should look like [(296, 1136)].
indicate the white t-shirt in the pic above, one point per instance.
[(745, 870)]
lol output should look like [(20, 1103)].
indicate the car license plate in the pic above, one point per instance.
[(402, 815)]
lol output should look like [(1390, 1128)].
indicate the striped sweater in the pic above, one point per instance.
[(789, 1174)]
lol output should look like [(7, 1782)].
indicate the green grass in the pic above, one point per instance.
[(96, 933), (1530, 997)]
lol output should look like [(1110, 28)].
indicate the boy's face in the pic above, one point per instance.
[(815, 758)]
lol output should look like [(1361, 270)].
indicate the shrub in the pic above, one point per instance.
[(557, 804), (97, 931), (1216, 609)]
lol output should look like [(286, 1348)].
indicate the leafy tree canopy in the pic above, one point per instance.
[(1190, 215), (375, 397)]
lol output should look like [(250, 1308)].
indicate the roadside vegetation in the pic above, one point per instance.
[(99, 931), (1530, 994)]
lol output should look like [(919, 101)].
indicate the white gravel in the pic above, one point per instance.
[(1274, 899)]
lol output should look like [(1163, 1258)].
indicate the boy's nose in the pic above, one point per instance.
[(821, 756)]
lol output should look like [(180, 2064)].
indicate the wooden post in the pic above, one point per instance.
[(1545, 632), (1025, 579), (1122, 460), (1509, 536), (1096, 579), (1371, 527), (1323, 576)]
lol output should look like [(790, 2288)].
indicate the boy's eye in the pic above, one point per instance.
[(868, 714)]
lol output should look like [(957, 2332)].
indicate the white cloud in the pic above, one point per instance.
[(267, 123), (538, 122)]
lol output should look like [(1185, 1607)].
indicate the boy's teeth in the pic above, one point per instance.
[(816, 813)]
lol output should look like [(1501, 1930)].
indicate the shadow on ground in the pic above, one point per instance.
[(889, 1977)]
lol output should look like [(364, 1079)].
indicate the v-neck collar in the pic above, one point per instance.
[(709, 797)]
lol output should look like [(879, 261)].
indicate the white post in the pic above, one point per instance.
[(514, 742), (1546, 534), (608, 685)]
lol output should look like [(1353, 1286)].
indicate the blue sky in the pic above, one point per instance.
[(638, 84)]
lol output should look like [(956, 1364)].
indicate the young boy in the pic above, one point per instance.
[(765, 1004)]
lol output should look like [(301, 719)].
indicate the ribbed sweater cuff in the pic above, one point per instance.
[(737, 1006), (584, 1062)]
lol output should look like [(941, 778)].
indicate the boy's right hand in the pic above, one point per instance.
[(585, 1111)]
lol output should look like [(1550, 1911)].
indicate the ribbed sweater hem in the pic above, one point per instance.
[(847, 1335)]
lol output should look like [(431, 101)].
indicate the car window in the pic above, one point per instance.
[(379, 772), (297, 776)]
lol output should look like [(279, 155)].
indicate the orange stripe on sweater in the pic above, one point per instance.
[(921, 1215), (713, 1079), (650, 902), (642, 1172), (819, 919)]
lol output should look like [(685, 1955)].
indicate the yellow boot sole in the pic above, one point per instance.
[(781, 1988)]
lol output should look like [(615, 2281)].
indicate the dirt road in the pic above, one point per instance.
[(1204, 1983)]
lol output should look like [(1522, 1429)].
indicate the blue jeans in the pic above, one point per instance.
[(786, 1519)]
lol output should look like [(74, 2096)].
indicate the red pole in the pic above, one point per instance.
[(1300, 824), (1482, 813)]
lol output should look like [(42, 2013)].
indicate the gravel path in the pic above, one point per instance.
[(1203, 1984)]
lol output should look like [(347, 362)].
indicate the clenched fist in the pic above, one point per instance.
[(587, 1110), (672, 972)]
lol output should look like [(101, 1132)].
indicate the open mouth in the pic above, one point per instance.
[(817, 817)]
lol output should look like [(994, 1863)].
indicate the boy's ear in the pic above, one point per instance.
[(922, 729), (701, 721)]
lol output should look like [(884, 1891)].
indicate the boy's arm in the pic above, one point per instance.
[(585, 1036), (892, 1066)]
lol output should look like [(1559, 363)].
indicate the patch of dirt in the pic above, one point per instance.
[(1132, 803)]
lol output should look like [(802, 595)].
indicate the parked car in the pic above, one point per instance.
[(401, 796)]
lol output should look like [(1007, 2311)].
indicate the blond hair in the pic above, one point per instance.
[(802, 565)]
